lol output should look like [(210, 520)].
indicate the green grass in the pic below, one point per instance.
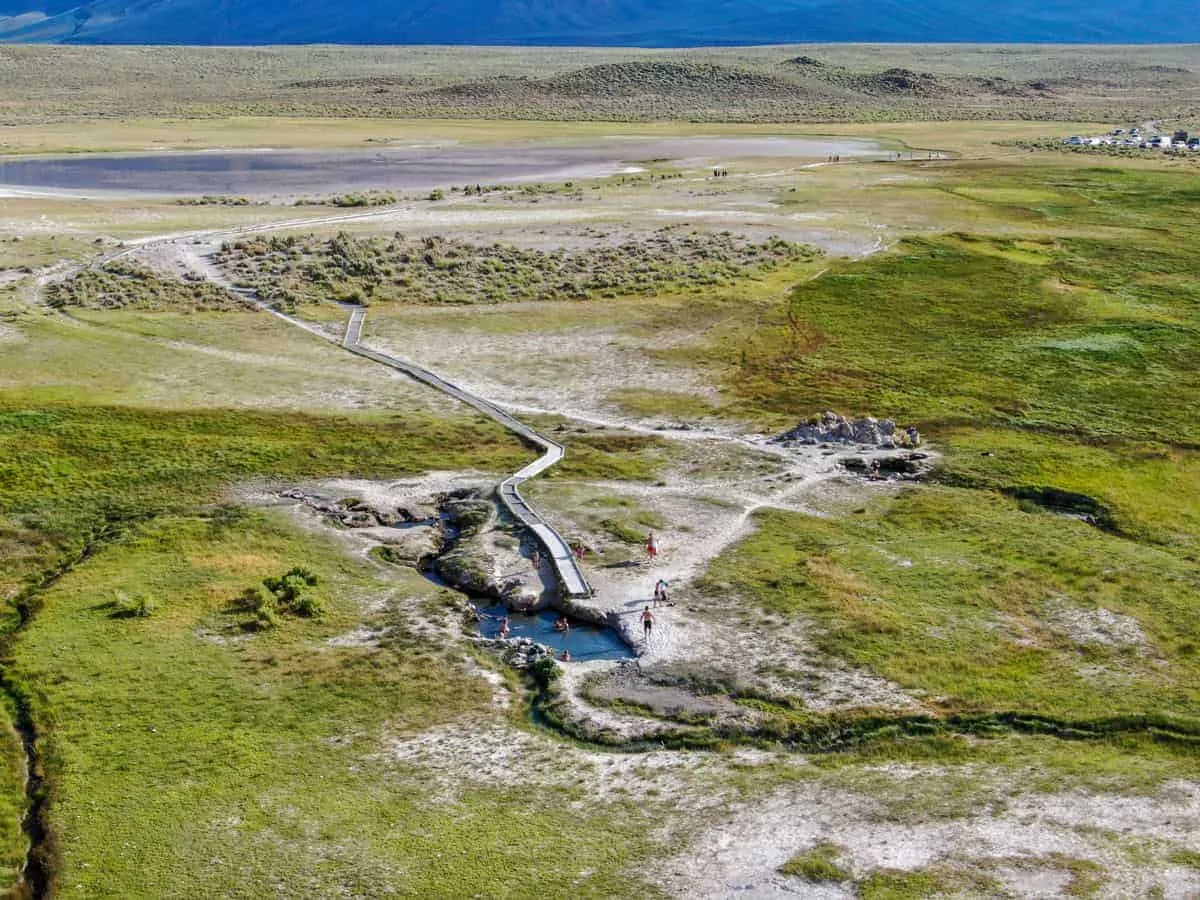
[(177, 740), (13, 842), (934, 881), (956, 335), (1152, 491), (73, 467), (177, 359), (1132, 764), (976, 619), (1185, 857), (819, 863), (33, 251), (1087, 334), (899, 885), (614, 456), (680, 407)]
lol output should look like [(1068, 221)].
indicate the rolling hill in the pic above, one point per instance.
[(645, 23)]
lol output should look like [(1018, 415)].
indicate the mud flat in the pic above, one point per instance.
[(268, 171)]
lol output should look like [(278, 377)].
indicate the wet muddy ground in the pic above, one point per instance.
[(268, 171)]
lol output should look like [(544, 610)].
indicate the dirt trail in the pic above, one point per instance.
[(713, 524)]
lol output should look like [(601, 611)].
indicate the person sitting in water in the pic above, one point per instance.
[(562, 624), (566, 656), (504, 627)]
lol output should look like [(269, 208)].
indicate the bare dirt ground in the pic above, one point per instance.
[(1026, 842)]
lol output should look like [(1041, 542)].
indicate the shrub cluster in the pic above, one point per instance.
[(287, 271), (286, 594), (122, 285)]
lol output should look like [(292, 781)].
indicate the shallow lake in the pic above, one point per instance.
[(293, 172), (585, 641)]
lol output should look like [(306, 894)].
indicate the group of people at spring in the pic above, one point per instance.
[(563, 625)]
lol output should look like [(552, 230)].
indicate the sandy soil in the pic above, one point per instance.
[(740, 856)]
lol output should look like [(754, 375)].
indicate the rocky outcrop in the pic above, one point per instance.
[(469, 569), (353, 514), (904, 465), (521, 652), (469, 515), (830, 428), (412, 545)]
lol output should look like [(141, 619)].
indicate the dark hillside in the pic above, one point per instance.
[(653, 23)]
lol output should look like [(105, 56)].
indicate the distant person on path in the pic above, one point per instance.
[(652, 547), (536, 559), (647, 622), (579, 551)]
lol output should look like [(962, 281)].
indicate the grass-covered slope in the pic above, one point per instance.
[(1053, 569)]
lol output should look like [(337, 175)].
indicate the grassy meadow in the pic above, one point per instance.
[(1036, 315), (189, 752), (123, 436)]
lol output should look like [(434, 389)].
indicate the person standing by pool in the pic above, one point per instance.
[(647, 622)]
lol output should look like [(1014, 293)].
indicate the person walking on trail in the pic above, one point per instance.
[(652, 547), (647, 622)]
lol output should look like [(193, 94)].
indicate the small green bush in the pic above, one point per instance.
[(546, 671), (287, 593), (137, 607)]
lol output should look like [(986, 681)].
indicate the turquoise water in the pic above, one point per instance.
[(585, 641)]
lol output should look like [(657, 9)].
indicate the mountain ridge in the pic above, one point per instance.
[(654, 23)]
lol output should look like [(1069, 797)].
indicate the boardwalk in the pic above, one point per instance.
[(557, 550), (571, 580)]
